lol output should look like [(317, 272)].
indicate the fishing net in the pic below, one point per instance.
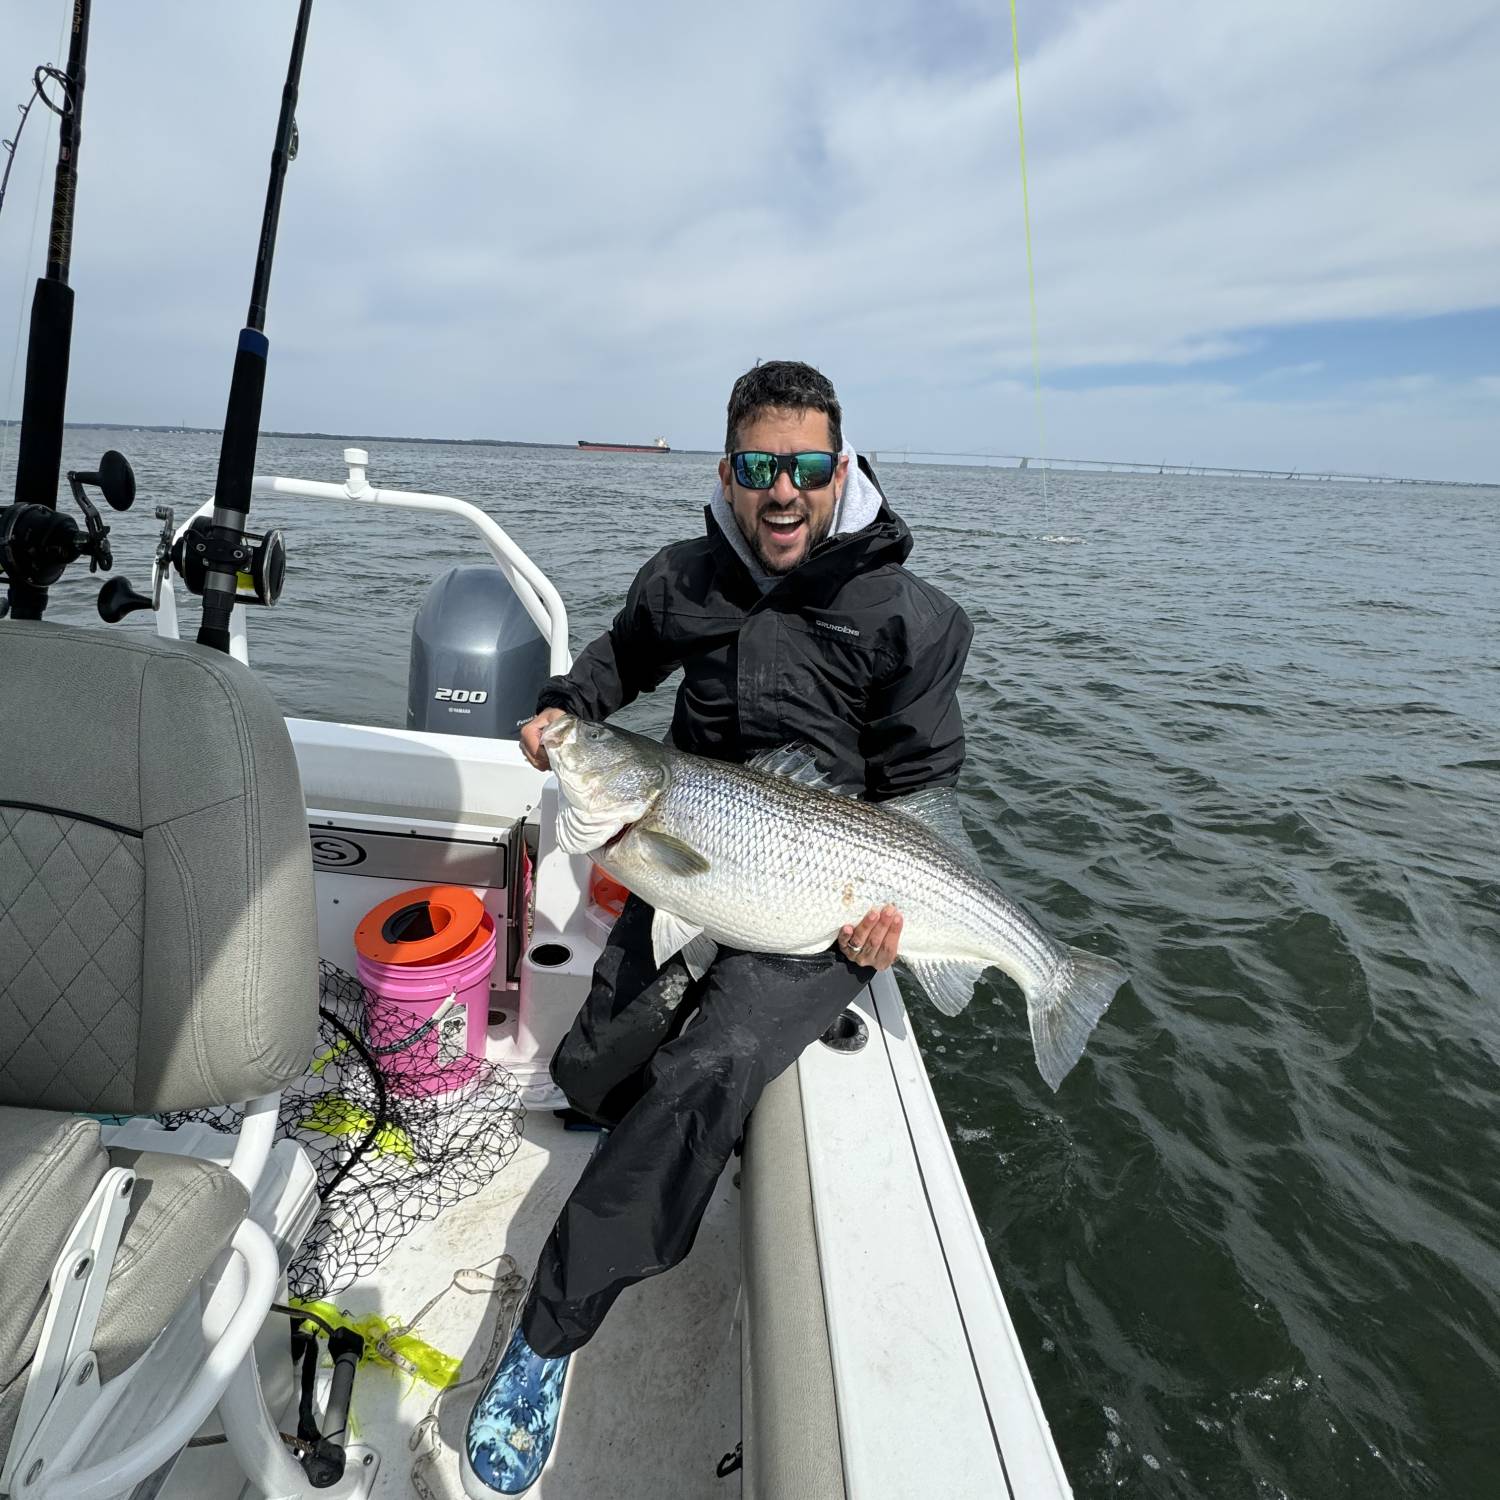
[(391, 1150)]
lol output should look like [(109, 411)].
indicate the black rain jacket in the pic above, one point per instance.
[(848, 653)]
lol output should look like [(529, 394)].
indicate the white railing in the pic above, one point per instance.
[(533, 588)]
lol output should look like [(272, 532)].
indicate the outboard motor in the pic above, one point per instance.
[(477, 659)]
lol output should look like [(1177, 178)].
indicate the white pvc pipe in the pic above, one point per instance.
[(533, 588), (122, 1470), (254, 1440), (252, 1148)]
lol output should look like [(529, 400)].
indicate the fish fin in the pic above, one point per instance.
[(799, 762), (949, 982), (671, 934), (672, 853), (1067, 1008), (581, 831), (699, 954), (937, 809)]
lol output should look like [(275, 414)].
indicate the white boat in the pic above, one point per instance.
[(838, 1325)]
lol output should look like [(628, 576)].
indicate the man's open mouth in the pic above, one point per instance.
[(782, 525)]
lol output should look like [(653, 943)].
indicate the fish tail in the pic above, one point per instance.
[(1065, 1009)]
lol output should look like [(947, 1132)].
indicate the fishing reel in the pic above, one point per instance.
[(258, 562), (38, 543)]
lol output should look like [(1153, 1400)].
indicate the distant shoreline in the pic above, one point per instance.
[(1056, 465), (345, 437)]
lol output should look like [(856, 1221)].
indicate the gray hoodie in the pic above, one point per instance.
[(857, 508)]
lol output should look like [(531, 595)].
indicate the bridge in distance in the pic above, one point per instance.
[(1134, 466)]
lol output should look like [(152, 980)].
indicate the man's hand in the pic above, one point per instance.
[(531, 736), (873, 943)]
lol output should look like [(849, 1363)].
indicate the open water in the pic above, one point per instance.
[(1245, 737)]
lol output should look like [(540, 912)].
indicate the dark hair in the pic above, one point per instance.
[(783, 385)]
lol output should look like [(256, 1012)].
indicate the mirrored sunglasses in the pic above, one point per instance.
[(754, 470)]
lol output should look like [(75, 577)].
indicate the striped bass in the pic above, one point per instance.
[(768, 858)]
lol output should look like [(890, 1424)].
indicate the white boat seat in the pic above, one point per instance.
[(158, 951)]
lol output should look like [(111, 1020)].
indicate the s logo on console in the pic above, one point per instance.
[(331, 851)]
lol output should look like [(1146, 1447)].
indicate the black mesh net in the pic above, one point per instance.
[(397, 1129)]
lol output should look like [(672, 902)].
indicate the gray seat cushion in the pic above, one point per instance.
[(183, 1213), (158, 931), (49, 1165), (158, 950)]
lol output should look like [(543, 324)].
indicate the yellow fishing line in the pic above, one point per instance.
[(1036, 358), (386, 1344)]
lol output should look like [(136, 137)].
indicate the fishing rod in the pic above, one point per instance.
[(39, 460), (36, 543), (216, 556)]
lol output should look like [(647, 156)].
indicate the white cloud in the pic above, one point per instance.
[(1292, 372), (1400, 385), (532, 221)]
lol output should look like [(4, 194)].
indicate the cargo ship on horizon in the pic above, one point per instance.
[(659, 446)]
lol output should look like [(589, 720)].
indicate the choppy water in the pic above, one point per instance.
[(1245, 737)]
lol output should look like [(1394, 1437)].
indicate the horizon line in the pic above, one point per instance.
[(1015, 461)]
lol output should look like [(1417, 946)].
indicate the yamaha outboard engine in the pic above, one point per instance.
[(477, 659)]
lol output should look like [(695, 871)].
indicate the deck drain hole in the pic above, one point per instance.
[(550, 955)]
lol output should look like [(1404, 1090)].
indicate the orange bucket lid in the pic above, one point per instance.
[(422, 926)]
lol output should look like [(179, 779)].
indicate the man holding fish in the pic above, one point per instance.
[(777, 876)]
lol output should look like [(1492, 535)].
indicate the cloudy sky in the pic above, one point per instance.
[(1264, 234)]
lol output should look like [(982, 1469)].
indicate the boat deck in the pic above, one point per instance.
[(655, 1396), (652, 1403)]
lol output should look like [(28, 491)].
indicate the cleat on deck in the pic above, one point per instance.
[(514, 1422)]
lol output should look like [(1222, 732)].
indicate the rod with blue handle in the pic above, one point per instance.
[(228, 552)]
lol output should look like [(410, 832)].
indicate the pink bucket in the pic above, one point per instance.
[(423, 1043)]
